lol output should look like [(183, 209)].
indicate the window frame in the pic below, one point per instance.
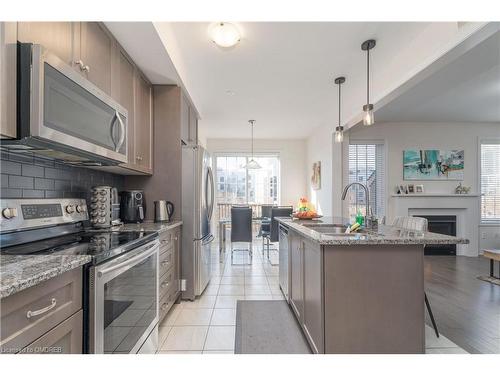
[(481, 141), (385, 153), (248, 155)]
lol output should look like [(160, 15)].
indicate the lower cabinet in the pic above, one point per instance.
[(313, 296), (169, 272), (66, 338), (46, 318), (306, 289)]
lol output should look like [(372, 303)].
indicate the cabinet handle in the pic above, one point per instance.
[(164, 285), (165, 263), (164, 241), (164, 306), (53, 303), (138, 158), (83, 67)]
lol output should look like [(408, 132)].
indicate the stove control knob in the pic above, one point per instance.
[(101, 221), (103, 199), (102, 213), (93, 199), (93, 221), (94, 213), (81, 208), (93, 206), (70, 209), (103, 192), (9, 213), (102, 206)]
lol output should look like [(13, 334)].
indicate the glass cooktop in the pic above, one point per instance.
[(100, 245)]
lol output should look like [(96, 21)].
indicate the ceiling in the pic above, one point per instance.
[(280, 74), (465, 90)]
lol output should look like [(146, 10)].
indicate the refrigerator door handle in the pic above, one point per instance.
[(210, 177)]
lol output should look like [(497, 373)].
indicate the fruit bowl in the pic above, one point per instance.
[(306, 216)]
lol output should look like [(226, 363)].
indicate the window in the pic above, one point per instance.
[(366, 165), (490, 182), (238, 185)]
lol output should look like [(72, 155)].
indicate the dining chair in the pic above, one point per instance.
[(420, 224), (241, 229), (281, 211), (265, 228)]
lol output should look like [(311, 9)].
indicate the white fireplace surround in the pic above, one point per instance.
[(465, 207)]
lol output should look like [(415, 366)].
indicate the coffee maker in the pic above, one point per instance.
[(132, 206)]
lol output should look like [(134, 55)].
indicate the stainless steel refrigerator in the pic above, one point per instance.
[(197, 211)]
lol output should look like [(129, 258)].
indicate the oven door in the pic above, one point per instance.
[(124, 301), (68, 109)]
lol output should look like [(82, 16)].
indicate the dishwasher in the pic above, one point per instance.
[(284, 259)]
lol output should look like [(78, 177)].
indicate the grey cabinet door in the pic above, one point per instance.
[(66, 338), (193, 125), (8, 48), (177, 260), (61, 38), (124, 93), (143, 135), (185, 119), (297, 283), (96, 49), (313, 296)]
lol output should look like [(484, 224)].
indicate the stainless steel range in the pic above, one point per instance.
[(121, 292)]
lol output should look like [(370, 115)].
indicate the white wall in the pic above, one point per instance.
[(292, 154), (457, 136)]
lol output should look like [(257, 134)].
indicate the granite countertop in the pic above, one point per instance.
[(19, 272), (384, 235)]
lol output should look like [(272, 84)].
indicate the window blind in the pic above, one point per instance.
[(490, 182), (367, 166)]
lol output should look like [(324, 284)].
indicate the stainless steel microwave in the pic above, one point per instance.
[(62, 115)]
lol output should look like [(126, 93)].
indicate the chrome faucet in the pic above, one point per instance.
[(369, 223)]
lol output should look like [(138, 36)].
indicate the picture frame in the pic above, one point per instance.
[(316, 176), (419, 189), (402, 189), (410, 189)]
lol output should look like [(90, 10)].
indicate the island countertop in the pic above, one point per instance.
[(19, 272), (383, 235)]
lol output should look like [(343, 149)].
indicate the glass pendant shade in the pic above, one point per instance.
[(368, 116), (339, 134), (252, 164)]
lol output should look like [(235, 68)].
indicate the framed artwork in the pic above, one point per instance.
[(433, 165), (419, 189), (316, 176), (411, 189)]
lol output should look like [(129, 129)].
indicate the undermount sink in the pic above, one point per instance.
[(330, 229)]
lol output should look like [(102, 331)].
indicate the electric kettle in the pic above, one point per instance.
[(163, 211)]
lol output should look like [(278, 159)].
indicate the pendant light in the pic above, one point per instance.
[(339, 130), (368, 117), (252, 164)]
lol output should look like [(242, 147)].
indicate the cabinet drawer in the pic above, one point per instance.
[(166, 240), (27, 315), (166, 261), (166, 303), (166, 282), (66, 338)]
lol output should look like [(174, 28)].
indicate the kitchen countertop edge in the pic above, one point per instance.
[(386, 235)]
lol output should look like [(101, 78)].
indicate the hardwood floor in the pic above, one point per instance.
[(467, 310)]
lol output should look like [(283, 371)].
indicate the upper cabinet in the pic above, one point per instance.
[(96, 50), (189, 122), (143, 135), (61, 38), (8, 43)]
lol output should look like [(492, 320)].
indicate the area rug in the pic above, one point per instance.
[(489, 279), (268, 327)]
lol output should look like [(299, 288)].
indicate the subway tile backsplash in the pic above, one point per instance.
[(28, 176)]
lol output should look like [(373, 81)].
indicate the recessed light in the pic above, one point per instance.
[(230, 92), (224, 34)]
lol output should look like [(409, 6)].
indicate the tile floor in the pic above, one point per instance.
[(207, 325)]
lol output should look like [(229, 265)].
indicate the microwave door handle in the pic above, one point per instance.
[(122, 131)]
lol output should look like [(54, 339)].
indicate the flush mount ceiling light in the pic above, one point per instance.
[(224, 34), (368, 117), (252, 164), (339, 130)]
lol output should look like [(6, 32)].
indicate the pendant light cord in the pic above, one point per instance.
[(368, 76), (339, 103)]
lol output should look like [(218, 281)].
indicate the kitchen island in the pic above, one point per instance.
[(360, 292)]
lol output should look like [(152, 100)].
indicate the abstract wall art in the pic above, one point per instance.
[(433, 165)]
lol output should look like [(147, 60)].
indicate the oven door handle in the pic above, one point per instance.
[(135, 259)]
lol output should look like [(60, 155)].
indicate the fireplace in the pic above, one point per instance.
[(444, 224)]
